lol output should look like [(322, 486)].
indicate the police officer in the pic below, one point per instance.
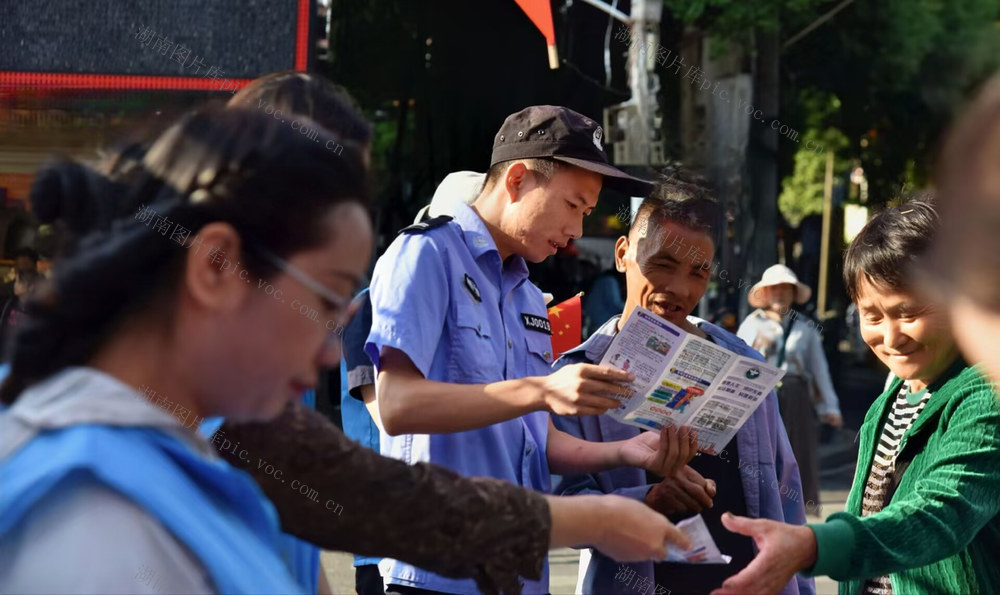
[(460, 337)]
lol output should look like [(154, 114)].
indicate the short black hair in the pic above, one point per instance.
[(542, 166), (889, 245), (26, 252), (686, 198)]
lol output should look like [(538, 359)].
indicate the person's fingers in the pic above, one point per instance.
[(601, 387), (661, 553), (692, 476), (698, 492), (692, 440), (688, 500), (755, 578), (684, 452), (596, 401), (710, 489), (668, 448), (680, 455), (606, 373), (740, 524), (677, 537)]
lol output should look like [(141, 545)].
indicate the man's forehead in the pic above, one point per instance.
[(670, 238)]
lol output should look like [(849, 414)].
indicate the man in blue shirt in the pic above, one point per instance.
[(461, 340), (357, 374), (666, 258)]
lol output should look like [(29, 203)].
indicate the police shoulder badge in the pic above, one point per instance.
[(426, 225), (472, 288)]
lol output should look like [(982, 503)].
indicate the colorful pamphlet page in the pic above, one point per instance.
[(684, 380)]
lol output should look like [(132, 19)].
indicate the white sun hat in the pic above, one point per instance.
[(777, 274), (456, 188)]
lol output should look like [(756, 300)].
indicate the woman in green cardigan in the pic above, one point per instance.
[(922, 516)]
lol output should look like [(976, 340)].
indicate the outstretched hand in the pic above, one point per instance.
[(664, 452), (783, 551), (632, 532)]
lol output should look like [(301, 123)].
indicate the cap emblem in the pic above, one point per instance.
[(597, 138)]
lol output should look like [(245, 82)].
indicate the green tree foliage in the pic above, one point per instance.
[(802, 191), (901, 69), (734, 19)]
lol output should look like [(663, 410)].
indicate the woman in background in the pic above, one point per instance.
[(792, 343)]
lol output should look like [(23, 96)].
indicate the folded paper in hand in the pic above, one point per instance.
[(703, 549)]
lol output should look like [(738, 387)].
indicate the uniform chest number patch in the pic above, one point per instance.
[(536, 323)]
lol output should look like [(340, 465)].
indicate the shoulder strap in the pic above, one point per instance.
[(784, 341), (426, 225)]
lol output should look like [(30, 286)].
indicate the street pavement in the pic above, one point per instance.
[(563, 563)]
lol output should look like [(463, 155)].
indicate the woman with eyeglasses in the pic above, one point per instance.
[(171, 300)]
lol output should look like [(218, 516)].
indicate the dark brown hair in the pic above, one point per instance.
[(237, 166)]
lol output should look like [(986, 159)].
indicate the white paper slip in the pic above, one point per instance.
[(703, 549)]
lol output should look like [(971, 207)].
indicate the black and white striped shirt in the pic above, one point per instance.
[(905, 410)]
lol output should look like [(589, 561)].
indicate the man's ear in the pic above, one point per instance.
[(621, 249), (210, 271), (515, 180)]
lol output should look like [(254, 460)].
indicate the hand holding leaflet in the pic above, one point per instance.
[(681, 379), (664, 453), (703, 549)]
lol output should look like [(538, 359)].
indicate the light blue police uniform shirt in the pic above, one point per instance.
[(443, 297)]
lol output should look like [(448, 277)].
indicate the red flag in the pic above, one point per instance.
[(540, 13), (566, 319)]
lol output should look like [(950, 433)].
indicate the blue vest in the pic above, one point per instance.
[(301, 557), (217, 511)]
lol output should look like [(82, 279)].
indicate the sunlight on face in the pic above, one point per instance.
[(548, 216), (666, 268), (282, 342), (910, 336)]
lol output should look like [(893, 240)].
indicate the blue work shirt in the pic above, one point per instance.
[(444, 298), (768, 465)]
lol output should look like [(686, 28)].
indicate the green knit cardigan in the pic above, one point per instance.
[(940, 531)]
